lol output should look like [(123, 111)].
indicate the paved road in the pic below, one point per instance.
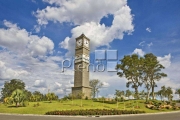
[(166, 116)]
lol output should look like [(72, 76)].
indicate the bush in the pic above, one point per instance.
[(25, 103), (94, 112), (86, 98), (36, 105)]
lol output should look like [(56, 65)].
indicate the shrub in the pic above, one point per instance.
[(94, 112), (25, 103), (35, 105), (173, 104), (86, 98)]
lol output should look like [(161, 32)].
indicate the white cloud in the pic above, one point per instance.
[(165, 61), (19, 40), (87, 16), (141, 43), (148, 29), (140, 52), (105, 84), (40, 46), (31, 62), (100, 35), (58, 84), (150, 44), (8, 73), (13, 37), (77, 11), (40, 84)]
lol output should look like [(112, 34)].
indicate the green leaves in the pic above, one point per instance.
[(18, 96), (141, 70), (10, 86), (95, 85)]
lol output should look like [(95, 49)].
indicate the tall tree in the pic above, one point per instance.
[(169, 93), (151, 73), (28, 94), (131, 68), (178, 92), (160, 94), (96, 85), (163, 91), (128, 93), (10, 86), (119, 94)]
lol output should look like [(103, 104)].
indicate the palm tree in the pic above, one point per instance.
[(18, 96), (50, 96)]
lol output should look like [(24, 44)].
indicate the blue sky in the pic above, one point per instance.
[(35, 36)]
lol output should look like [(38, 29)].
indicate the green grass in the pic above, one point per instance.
[(45, 106)]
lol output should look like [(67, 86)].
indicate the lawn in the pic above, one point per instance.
[(46, 106)]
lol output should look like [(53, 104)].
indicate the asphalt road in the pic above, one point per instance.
[(166, 116)]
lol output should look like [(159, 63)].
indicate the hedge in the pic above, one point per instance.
[(94, 112)]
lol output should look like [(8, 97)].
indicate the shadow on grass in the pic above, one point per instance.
[(13, 106), (108, 102), (47, 102)]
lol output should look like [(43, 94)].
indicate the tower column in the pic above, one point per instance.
[(81, 73)]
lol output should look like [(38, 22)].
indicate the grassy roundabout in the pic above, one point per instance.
[(45, 106)]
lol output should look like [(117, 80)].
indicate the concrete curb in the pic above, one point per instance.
[(126, 115)]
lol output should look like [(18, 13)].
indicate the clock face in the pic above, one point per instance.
[(86, 43), (79, 42)]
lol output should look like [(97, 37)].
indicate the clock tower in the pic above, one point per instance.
[(81, 65)]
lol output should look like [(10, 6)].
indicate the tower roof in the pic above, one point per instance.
[(82, 36)]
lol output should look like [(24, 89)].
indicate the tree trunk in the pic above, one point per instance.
[(136, 93), (153, 96), (148, 94)]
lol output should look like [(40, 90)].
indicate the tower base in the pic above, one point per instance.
[(77, 91)]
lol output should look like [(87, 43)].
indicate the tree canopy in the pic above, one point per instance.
[(96, 85), (10, 86), (141, 70)]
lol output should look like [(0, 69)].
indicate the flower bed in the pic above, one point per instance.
[(94, 112)]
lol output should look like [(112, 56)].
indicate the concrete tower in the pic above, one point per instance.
[(81, 63)]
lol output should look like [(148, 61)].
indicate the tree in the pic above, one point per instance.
[(128, 93), (81, 95), (178, 92), (10, 86), (163, 91), (131, 68), (72, 97), (120, 94), (142, 94), (151, 73), (169, 93), (38, 95), (51, 96), (160, 94), (28, 94), (18, 96), (96, 85)]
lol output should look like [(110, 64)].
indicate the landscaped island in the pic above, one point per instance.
[(88, 107)]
